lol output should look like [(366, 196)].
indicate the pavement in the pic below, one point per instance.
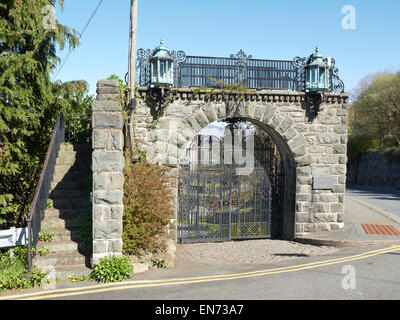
[(360, 208), (200, 270), (384, 198)]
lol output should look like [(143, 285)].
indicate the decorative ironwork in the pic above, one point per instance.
[(179, 57), (241, 56), (299, 64), (314, 101), (200, 71), (335, 83), (160, 96), (241, 59), (216, 204), (253, 73), (143, 66)]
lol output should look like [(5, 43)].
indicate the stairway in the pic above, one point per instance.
[(69, 198)]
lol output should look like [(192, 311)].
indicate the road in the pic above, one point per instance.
[(350, 273), (357, 273), (387, 199)]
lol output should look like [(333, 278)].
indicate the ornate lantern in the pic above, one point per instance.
[(161, 67), (317, 73)]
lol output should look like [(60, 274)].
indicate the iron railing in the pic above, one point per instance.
[(197, 71), (39, 203), (251, 73)]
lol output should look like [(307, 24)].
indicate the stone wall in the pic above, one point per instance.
[(107, 166), (374, 169), (311, 147)]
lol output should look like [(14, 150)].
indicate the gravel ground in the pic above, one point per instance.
[(247, 251)]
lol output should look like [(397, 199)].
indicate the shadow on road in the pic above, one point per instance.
[(291, 255)]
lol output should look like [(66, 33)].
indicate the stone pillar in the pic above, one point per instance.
[(107, 166)]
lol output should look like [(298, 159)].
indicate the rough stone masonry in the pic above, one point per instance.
[(313, 149), (107, 166)]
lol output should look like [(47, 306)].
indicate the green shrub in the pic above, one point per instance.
[(46, 236), (359, 143), (112, 269), (147, 207), (13, 270)]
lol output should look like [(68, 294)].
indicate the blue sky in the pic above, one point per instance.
[(266, 29)]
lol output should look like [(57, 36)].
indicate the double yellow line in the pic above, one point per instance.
[(135, 284)]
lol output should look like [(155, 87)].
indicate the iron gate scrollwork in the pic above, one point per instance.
[(216, 204)]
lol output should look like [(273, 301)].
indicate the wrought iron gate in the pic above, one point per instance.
[(216, 204)]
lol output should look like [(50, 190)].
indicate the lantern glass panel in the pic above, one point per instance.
[(314, 76), (155, 72), (169, 72), (163, 71), (322, 76)]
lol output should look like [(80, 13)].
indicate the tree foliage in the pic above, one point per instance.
[(374, 122), (29, 101)]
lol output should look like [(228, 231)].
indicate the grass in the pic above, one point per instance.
[(14, 270)]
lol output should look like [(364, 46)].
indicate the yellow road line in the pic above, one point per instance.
[(168, 282)]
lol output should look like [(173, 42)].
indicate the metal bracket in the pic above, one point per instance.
[(314, 100), (160, 96)]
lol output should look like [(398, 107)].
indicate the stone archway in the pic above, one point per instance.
[(311, 148), (218, 199), (277, 125)]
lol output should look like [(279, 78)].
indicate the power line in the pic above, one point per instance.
[(80, 36)]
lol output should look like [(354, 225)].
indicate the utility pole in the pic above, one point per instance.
[(132, 51), (132, 70)]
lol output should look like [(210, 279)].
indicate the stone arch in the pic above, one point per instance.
[(314, 149), (266, 116), (290, 143)]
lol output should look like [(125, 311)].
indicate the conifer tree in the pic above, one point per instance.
[(29, 101)]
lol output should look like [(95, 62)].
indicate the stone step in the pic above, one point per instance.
[(73, 160), (69, 195), (59, 259), (57, 193), (80, 148), (69, 176), (63, 234), (68, 184), (72, 168), (50, 223), (78, 153), (70, 203), (64, 245), (62, 170), (63, 214), (64, 272)]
